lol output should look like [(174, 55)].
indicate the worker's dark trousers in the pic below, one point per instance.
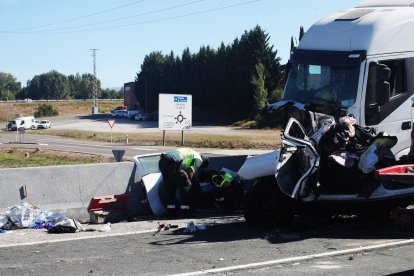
[(175, 187)]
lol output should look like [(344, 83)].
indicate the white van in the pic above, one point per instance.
[(27, 122), (360, 61)]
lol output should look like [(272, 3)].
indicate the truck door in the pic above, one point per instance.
[(395, 116)]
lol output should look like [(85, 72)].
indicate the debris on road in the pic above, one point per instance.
[(111, 208), (25, 215), (165, 227), (191, 227), (68, 225)]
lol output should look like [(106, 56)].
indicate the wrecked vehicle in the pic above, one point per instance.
[(330, 164), (357, 61)]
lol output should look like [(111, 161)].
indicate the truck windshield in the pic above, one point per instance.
[(322, 84)]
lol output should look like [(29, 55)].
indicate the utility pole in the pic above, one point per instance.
[(95, 84)]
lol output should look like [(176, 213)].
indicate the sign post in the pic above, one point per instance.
[(111, 123), (175, 113), (21, 131)]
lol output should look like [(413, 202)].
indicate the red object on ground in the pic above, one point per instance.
[(110, 202), (400, 173)]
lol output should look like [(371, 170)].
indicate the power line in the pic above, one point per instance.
[(123, 18), (146, 22), (76, 18)]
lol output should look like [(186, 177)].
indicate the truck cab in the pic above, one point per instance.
[(360, 61)]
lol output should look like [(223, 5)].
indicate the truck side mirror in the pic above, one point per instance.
[(382, 94), (383, 72)]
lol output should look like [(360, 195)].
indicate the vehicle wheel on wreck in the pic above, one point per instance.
[(266, 205)]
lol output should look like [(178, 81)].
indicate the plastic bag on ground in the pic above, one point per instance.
[(25, 215)]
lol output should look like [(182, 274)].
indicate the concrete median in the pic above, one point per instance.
[(69, 189)]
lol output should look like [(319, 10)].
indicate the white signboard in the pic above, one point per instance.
[(175, 112)]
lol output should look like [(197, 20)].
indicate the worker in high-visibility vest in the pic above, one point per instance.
[(218, 189), (177, 168)]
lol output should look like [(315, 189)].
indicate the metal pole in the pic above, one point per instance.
[(95, 84), (111, 134), (146, 97), (182, 137), (163, 138)]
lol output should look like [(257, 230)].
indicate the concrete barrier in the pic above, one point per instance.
[(69, 189)]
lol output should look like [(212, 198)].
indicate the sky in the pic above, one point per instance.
[(40, 36)]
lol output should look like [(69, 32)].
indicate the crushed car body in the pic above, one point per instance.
[(327, 160), (247, 168)]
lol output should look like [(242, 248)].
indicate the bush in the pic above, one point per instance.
[(46, 110)]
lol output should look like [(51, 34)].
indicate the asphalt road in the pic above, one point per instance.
[(60, 144), (123, 125), (100, 123), (312, 245)]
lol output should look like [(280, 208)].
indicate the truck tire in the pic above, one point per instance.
[(265, 205)]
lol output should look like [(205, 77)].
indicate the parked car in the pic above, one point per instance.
[(35, 125), (9, 125), (131, 113), (140, 117), (119, 113), (44, 124)]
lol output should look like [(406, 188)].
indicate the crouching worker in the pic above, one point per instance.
[(177, 168)]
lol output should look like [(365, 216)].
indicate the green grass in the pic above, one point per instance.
[(28, 157), (174, 139), (16, 162)]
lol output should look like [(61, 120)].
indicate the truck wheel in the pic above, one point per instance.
[(265, 205)]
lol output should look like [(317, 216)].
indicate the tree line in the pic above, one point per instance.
[(54, 86), (227, 83)]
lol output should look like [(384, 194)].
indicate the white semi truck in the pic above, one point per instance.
[(343, 60), (358, 61)]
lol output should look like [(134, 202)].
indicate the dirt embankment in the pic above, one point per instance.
[(9, 110)]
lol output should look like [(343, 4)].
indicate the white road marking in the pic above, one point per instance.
[(296, 259), (144, 149)]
